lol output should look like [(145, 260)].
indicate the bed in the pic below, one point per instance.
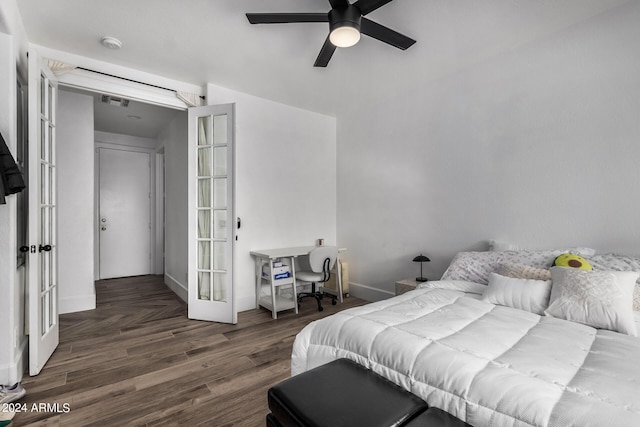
[(486, 349)]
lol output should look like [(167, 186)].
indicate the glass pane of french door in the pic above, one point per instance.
[(212, 207), (48, 207)]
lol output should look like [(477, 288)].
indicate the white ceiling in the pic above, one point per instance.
[(211, 41), (137, 119)]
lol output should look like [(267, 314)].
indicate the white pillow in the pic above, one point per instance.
[(523, 294), (521, 271), (602, 299), (615, 262)]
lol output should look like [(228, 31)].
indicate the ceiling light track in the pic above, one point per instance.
[(131, 80)]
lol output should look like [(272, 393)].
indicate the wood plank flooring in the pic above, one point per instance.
[(137, 360)]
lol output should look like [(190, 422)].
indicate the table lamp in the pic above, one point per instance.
[(421, 258)]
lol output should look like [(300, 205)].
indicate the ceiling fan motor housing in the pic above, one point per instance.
[(349, 16)]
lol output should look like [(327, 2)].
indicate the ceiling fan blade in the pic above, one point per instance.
[(325, 54), (384, 34), (337, 4), (285, 18), (368, 6)]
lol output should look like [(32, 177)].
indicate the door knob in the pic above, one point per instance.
[(103, 219), (45, 248), (103, 228), (24, 249)]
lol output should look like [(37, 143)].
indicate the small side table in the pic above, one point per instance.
[(406, 285)]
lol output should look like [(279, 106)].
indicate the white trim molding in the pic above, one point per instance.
[(13, 373), (177, 287), (77, 303), (120, 86)]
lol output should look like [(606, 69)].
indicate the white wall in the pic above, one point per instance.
[(538, 146), (285, 180), (75, 156), (174, 141), (13, 341), (10, 288)]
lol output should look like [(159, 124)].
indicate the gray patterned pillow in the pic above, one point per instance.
[(476, 266)]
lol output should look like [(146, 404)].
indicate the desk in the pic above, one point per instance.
[(268, 256)]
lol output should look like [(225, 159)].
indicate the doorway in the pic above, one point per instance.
[(122, 145), (200, 136), (129, 203)]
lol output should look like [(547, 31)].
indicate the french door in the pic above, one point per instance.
[(211, 213), (42, 238)]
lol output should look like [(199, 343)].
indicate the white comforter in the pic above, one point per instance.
[(488, 365)]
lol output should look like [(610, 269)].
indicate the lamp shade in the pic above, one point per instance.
[(421, 258)]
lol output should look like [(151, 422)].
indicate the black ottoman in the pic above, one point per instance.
[(435, 417), (341, 394)]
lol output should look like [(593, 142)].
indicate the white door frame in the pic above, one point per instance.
[(158, 262)]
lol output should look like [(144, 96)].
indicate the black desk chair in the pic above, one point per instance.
[(321, 261)]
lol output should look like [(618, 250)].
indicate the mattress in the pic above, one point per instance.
[(488, 365)]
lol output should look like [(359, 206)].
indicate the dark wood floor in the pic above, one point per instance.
[(137, 360)]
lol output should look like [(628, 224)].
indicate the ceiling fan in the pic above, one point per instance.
[(346, 23)]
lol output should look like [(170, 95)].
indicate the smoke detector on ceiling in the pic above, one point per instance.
[(111, 42), (112, 100)]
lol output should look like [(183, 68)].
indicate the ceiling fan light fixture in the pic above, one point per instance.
[(344, 26), (344, 36)]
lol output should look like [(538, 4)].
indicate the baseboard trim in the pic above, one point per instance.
[(177, 287), (368, 293), (246, 303), (12, 373), (75, 304), (242, 304)]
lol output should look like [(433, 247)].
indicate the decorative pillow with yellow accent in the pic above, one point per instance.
[(572, 261)]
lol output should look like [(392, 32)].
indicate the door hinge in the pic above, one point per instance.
[(33, 249)]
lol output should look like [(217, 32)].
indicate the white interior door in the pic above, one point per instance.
[(124, 224), (42, 259), (211, 213)]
